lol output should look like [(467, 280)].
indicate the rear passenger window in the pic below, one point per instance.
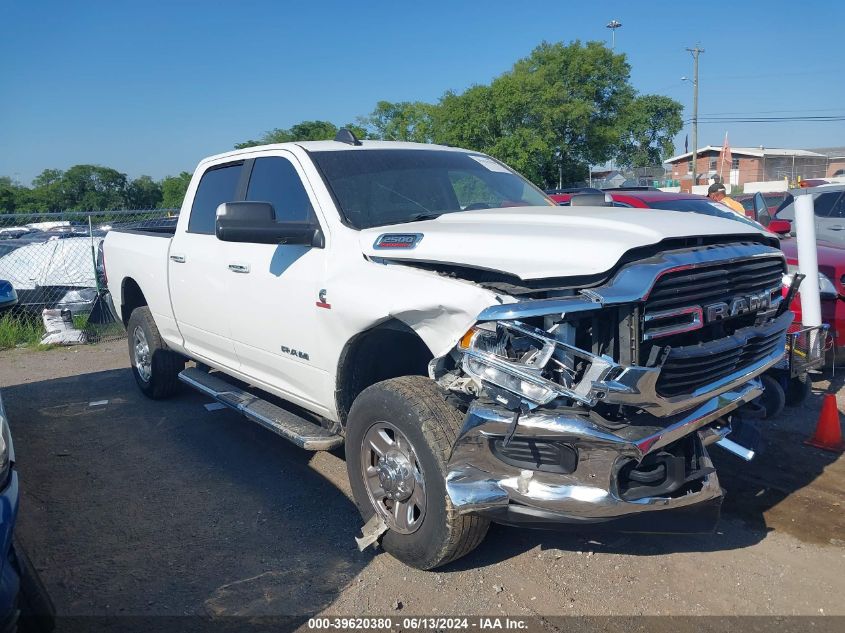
[(218, 185), (825, 204), (274, 180)]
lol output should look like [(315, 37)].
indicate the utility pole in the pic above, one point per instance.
[(694, 160), (613, 25)]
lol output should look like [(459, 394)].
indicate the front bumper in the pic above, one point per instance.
[(478, 480)]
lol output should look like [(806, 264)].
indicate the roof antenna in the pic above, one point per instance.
[(346, 136)]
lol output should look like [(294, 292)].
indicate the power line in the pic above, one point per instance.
[(796, 119), (775, 111)]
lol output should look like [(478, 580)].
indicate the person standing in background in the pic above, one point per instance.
[(717, 193)]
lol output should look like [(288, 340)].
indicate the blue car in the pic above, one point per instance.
[(24, 603)]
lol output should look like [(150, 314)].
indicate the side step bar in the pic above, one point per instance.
[(290, 426)]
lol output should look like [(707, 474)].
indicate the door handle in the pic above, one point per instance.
[(239, 268), (837, 227), (179, 259)]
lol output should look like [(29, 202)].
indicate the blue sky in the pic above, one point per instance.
[(151, 87)]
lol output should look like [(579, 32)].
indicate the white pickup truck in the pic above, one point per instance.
[(482, 353)]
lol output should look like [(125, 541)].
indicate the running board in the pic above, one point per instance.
[(290, 426)]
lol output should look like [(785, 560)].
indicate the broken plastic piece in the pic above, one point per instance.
[(371, 532)]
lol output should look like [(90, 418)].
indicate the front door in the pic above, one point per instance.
[(274, 290)]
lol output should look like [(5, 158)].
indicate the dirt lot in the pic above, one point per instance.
[(141, 507)]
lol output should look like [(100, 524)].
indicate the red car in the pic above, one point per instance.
[(773, 201), (831, 256)]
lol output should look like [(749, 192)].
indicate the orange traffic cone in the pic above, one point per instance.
[(828, 433)]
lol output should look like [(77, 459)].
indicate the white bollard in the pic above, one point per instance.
[(808, 260)]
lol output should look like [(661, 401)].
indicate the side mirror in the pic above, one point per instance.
[(255, 223), (761, 209), (781, 227), (8, 295)]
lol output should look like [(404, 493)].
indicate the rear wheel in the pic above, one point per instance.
[(156, 368), (399, 436)]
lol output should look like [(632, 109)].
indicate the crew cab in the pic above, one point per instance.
[(482, 353)]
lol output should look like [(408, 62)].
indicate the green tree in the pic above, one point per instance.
[(554, 113), (12, 195), (648, 125), (144, 193), (93, 188), (402, 121), (303, 131), (173, 190), (46, 193)]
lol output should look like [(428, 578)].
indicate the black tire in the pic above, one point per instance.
[(798, 391), (164, 365), (418, 408), (773, 399), (37, 611)]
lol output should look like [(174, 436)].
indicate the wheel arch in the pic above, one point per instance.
[(131, 297), (389, 349)]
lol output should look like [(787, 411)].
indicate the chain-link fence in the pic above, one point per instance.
[(53, 261)]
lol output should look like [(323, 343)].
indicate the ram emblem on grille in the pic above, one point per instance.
[(738, 306)]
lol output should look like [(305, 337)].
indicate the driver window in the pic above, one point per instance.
[(274, 180)]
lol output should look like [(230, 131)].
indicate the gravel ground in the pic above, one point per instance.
[(167, 508)]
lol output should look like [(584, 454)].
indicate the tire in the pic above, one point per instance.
[(773, 399), (416, 407), (157, 371), (797, 391), (37, 611)]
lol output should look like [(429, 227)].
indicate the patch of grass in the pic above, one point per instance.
[(19, 329)]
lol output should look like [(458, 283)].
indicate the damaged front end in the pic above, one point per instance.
[(598, 407)]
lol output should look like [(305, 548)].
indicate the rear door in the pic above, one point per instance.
[(197, 270), (276, 314), (830, 215)]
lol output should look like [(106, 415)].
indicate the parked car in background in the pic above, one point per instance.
[(647, 198), (21, 591), (829, 201), (53, 273), (829, 207), (773, 201)]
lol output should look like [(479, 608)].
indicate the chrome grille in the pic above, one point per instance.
[(713, 283), (689, 368)]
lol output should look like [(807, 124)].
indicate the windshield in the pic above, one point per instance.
[(706, 207), (391, 186)]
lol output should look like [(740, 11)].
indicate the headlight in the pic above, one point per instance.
[(826, 286), (508, 360)]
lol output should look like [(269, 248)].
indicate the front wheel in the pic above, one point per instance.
[(156, 368), (399, 436)]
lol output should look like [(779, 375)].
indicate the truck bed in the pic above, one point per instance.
[(139, 255)]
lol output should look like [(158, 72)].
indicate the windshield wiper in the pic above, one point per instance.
[(419, 217)]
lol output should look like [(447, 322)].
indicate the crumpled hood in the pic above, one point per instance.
[(538, 242)]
